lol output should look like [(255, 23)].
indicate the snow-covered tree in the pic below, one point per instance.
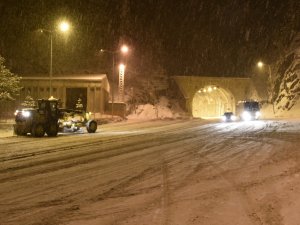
[(28, 102), (9, 83)]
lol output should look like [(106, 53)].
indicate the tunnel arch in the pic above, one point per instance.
[(212, 101)]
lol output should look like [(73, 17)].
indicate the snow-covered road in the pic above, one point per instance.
[(176, 172)]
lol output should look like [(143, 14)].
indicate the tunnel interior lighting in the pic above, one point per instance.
[(209, 89)]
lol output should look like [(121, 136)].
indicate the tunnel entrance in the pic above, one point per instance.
[(212, 102)]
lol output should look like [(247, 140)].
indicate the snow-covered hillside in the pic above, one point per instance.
[(287, 82)]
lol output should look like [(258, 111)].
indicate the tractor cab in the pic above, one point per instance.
[(40, 120)]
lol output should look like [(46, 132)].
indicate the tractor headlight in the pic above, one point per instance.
[(246, 116), (25, 114)]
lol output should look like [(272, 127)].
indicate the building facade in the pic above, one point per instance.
[(91, 89)]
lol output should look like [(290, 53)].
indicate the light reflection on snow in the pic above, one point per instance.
[(122, 132), (241, 125)]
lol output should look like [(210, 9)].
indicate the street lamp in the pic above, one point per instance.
[(124, 49), (260, 65), (62, 27)]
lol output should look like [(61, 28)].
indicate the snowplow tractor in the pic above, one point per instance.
[(48, 119)]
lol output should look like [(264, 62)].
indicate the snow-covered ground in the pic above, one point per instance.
[(6, 128), (179, 172)]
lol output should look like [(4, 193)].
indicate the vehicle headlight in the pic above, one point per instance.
[(223, 118), (257, 114), (16, 112), (246, 116), (25, 113), (233, 118)]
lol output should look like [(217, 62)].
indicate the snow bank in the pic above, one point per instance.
[(292, 113), (6, 129), (162, 110), (267, 112)]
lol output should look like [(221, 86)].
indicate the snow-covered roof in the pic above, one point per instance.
[(86, 77)]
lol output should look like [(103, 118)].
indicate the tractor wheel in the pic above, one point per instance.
[(52, 130), (38, 130), (91, 126)]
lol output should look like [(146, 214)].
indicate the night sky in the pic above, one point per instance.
[(190, 37)]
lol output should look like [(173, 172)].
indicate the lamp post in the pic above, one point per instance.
[(260, 65), (121, 81), (62, 27), (124, 49)]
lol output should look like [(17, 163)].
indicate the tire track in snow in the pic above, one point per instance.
[(165, 194)]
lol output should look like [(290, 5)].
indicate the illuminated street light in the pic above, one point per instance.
[(62, 27), (124, 50), (122, 66), (260, 64)]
